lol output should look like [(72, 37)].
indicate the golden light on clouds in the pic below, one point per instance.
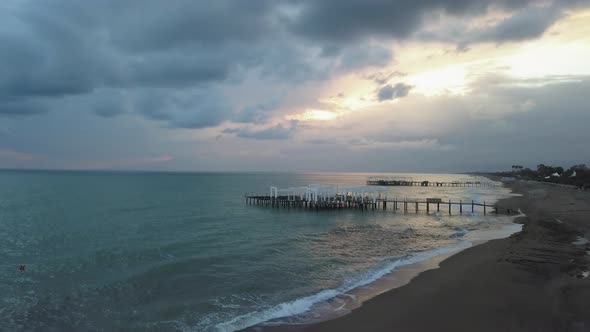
[(437, 69), (446, 80), (549, 58), (314, 115), (354, 101)]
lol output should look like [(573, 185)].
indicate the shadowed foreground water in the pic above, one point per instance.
[(181, 251)]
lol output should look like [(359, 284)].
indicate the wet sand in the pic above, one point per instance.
[(534, 280)]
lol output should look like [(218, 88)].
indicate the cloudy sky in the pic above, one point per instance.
[(304, 85)]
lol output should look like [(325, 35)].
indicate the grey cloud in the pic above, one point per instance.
[(179, 70), (384, 77), (349, 20), (279, 131), (194, 110), (389, 92), (523, 25), (107, 111), (530, 136), (257, 113), (552, 132), (154, 105), (526, 24), (67, 48), (363, 56), (108, 104), (159, 26), (21, 107), (43, 56)]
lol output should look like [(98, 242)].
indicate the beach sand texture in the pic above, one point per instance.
[(535, 280)]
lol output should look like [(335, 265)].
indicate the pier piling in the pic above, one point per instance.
[(310, 199)]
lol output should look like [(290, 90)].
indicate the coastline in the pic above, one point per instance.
[(532, 281)]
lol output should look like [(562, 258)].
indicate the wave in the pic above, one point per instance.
[(304, 304)]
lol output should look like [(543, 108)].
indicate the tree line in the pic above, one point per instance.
[(577, 175)]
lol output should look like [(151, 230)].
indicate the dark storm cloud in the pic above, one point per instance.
[(181, 70), (66, 48), (21, 107), (195, 110), (493, 133), (346, 20), (390, 92), (549, 131), (44, 56), (279, 131), (528, 23), (158, 26), (363, 56), (107, 104), (257, 113)]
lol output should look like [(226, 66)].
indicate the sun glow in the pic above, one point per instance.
[(354, 103), (314, 115), (446, 80)]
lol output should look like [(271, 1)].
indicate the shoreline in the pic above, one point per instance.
[(344, 304), (523, 282)]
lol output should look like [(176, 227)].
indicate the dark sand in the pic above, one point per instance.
[(531, 281)]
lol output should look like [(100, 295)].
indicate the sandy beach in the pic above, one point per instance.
[(535, 280)]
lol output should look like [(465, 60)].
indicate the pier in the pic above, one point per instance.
[(380, 181), (335, 198)]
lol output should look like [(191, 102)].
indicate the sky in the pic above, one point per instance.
[(301, 85)]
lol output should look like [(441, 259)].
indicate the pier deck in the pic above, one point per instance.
[(376, 203), (409, 183)]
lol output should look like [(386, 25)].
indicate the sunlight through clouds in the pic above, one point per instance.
[(314, 115)]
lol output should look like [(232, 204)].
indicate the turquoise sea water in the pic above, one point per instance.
[(182, 251)]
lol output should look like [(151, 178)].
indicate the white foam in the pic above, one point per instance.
[(580, 241), (304, 304)]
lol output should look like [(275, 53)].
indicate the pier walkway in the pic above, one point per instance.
[(377, 181), (364, 204)]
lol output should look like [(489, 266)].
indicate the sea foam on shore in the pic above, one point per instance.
[(332, 303)]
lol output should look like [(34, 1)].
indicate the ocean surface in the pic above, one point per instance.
[(136, 251)]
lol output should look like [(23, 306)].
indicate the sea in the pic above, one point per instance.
[(150, 251)]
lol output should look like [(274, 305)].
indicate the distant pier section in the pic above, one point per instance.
[(362, 198), (408, 182)]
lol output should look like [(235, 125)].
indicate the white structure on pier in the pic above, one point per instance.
[(322, 192)]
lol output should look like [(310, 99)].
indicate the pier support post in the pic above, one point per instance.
[(461, 206), (472, 209), (427, 208), (449, 206), (484, 208)]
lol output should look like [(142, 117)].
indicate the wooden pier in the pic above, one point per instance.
[(365, 203), (411, 183)]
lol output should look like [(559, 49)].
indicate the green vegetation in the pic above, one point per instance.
[(577, 175)]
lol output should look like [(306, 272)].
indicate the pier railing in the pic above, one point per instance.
[(361, 203)]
